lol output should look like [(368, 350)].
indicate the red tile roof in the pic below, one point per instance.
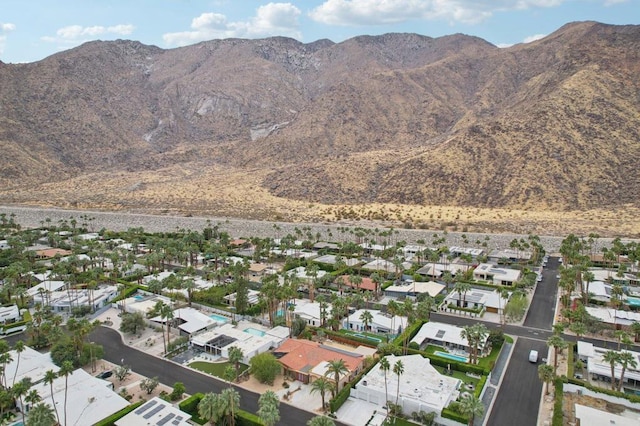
[(367, 283), (303, 355)]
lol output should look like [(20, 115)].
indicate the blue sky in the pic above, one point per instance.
[(31, 30)]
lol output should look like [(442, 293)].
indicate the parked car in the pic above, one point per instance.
[(105, 374), (533, 356)]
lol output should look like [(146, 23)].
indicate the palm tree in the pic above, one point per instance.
[(366, 319), (230, 402), (49, 377), (19, 348), (41, 415), (545, 373), (613, 358), (269, 411), (321, 385), (635, 327), (32, 398), (625, 359), (65, 370), (384, 366), (336, 367), (398, 370), (321, 421), (462, 288), (19, 390), (558, 344), (235, 356), (208, 407), (166, 313), (471, 406)]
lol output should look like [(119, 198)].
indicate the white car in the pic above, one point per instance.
[(533, 356)]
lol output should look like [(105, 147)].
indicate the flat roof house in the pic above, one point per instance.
[(381, 322), (496, 275), (414, 288), (156, 411), (446, 335), (420, 388), (598, 369)]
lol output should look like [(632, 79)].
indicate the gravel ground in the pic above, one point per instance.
[(120, 221)]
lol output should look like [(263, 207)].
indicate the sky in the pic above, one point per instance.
[(31, 30)]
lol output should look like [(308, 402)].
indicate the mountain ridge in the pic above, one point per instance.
[(396, 118)]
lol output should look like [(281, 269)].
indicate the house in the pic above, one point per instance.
[(413, 289), (510, 255), (600, 370), (436, 270), (617, 317), (256, 270), (253, 298), (382, 265), (331, 259), (381, 322), (252, 341), (64, 301), (189, 321), (446, 335), (9, 314), (476, 298), (496, 275), (367, 283), (599, 290), (321, 245), (90, 399), (420, 388), (156, 411), (32, 364), (50, 253), (304, 360), (302, 273), (457, 251), (589, 416), (310, 312), (613, 277)]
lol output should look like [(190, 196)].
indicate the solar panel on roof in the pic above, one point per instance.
[(177, 420), (145, 407), (165, 419), (440, 334), (154, 411)]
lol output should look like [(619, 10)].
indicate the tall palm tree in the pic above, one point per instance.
[(398, 370), (49, 377), (545, 373), (65, 370), (321, 385), (558, 344), (208, 407), (269, 408), (235, 356), (19, 348), (471, 406), (613, 358), (230, 403), (384, 366), (336, 367), (625, 359)]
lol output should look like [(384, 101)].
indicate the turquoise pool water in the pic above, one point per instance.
[(633, 301), (451, 356), (254, 331), (364, 336), (219, 318), (138, 297)]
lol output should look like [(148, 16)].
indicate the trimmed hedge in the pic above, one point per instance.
[(244, 418), (480, 386), (570, 366), (455, 365), (111, 420), (631, 397), (410, 332), (190, 405), (557, 405), (448, 413)]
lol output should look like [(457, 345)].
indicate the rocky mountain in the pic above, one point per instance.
[(397, 118)]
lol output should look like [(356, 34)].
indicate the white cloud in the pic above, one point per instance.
[(380, 12), (5, 28), (270, 20), (533, 38)]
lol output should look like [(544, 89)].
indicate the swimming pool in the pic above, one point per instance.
[(364, 336), (451, 356), (633, 301), (254, 331), (138, 297), (219, 318)]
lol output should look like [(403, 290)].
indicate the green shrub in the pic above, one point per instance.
[(557, 405), (244, 418), (452, 413), (190, 405), (480, 386), (111, 420)]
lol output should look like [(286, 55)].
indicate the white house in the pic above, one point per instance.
[(414, 288), (616, 317), (253, 298), (598, 369), (589, 416), (436, 270), (496, 275), (64, 301), (381, 322), (489, 300), (302, 273), (9, 314), (310, 312), (421, 386), (446, 335), (189, 320)]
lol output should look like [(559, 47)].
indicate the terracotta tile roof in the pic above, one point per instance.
[(52, 252), (303, 355), (367, 283)]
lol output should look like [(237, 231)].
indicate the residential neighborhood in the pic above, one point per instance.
[(363, 333)]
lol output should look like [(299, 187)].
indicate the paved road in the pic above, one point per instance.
[(542, 308), (169, 373), (518, 400)]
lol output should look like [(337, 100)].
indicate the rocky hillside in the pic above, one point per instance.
[(398, 118)]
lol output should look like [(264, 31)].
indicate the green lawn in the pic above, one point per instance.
[(215, 368), (458, 375)]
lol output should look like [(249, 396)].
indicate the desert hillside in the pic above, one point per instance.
[(271, 127)]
